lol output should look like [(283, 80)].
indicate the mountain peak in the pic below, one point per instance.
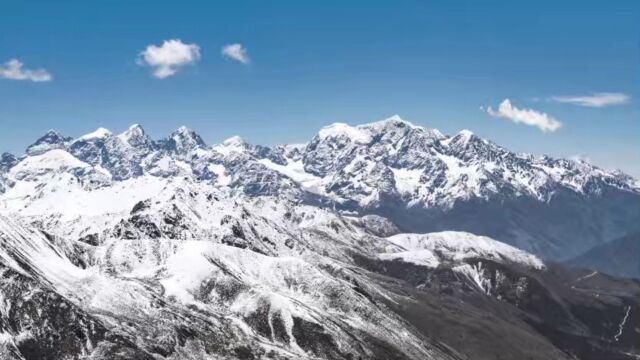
[(462, 138), (183, 140), (135, 136), (342, 130), (183, 129), (99, 133), (185, 132), (234, 141), (393, 121), (50, 140), (135, 128)]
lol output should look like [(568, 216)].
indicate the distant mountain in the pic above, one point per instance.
[(620, 257), (420, 179)]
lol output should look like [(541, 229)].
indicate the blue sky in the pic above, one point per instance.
[(434, 63)]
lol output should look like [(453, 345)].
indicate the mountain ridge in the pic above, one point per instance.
[(421, 179), (172, 248)]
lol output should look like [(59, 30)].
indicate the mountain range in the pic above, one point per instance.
[(385, 240)]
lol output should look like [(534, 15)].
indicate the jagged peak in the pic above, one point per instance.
[(52, 136), (50, 140), (135, 130), (134, 135), (184, 139), (394, 120), (398, 126), (183, 130)]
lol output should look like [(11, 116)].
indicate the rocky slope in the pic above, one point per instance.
[(122, 247)]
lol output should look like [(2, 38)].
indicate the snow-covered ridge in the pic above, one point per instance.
[(56, 159), (433, 249), (228, 257), (338, 130), (99, 133), (362, 163), (381, 168)]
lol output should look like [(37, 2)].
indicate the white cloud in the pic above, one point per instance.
[(167, 59), (594, 100), (236, 52), (529, 117), (13, 70)]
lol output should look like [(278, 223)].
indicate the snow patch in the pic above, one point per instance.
[(337, 130), (99, 133), (433, 248)]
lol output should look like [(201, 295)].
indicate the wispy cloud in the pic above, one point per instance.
[(594, 100), (236, 52), (542, 121), (13, 70), (167, 59)]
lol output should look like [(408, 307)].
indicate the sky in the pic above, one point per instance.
[(545, 77)]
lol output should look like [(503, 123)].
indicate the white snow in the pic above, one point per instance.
[(621, 325), (32, 248), (295, 171), (594, 273), (476, 274), (223, 178), (56, 159), (344, 130), (433, 248), (71, 202), (234, 144), (99, 133), (133, 131), (407, 181), (419, 257), (379, 125), (465, 133)]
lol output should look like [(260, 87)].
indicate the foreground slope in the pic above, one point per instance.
[(172, 268)]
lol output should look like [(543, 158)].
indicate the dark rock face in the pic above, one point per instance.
[(54, 328), (553, 314), (49, 141), (7, 161), (182, 141), (91, 151)]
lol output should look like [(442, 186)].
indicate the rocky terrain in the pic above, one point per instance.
[(379, 241)]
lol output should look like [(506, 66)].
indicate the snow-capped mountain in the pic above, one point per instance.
[(117, 246), (420, 179)]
